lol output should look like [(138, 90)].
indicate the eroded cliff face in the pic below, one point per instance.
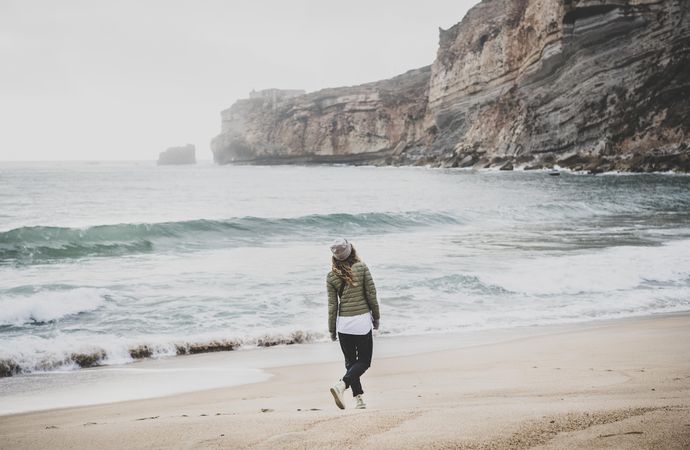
[(350, 124), (586, 84)]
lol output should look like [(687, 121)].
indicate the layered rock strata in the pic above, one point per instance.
[(339, 125), (586, 84)]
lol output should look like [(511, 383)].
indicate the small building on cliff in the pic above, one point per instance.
[(275, 95)]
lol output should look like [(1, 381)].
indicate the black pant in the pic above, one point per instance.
[(357, 350)]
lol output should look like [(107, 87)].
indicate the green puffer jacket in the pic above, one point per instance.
[(355, 300)]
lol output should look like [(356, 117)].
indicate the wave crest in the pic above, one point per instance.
[(47, 306), (40, 243)]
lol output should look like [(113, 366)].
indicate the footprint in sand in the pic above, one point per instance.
[(620, 434), (149, 418)]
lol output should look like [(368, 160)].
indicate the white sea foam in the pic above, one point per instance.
[(605, 270), (45, 306), (30, 354)]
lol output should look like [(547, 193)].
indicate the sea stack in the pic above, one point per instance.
[(588, 85), (185, 154)]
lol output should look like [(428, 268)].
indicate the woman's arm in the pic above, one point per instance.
[(332, 305), (370, 291)]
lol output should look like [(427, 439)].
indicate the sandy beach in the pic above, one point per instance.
[(623, 384), (195, 199)]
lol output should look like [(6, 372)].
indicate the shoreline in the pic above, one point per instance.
[(624, 383), (514, 166), (136, 380), (205, 163)]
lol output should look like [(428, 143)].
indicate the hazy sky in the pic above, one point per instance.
[(125, 79)]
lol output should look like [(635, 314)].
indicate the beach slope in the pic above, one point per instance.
[(623, 384)]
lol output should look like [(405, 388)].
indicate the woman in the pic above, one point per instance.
[(352, 311)]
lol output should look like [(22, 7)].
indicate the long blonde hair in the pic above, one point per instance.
[(343, 269)]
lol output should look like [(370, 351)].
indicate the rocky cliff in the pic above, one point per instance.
[(347, 124), (586, 84)]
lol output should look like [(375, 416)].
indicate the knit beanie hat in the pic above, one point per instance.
[(341, 249)]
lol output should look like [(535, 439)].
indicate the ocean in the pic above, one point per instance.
[(106, 263)]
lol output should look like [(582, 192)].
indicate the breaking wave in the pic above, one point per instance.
[(73, 355), (47, 306), (41, 243)]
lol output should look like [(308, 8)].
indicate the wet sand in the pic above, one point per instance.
[(622, 384)]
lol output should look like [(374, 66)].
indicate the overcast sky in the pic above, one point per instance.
[(115, 80)]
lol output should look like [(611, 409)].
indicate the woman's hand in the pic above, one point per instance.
[(334, 337), (376, 324)]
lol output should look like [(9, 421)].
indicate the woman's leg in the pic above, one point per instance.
[(348, 345), (358, 350)]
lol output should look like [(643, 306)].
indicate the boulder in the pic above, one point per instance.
[(178, 155)]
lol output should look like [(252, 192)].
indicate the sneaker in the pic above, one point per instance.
[(360, 402), (337, 391)]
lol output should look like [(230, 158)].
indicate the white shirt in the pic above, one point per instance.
[(359, 325)]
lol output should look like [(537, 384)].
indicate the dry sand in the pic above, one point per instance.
[(621, 384)]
